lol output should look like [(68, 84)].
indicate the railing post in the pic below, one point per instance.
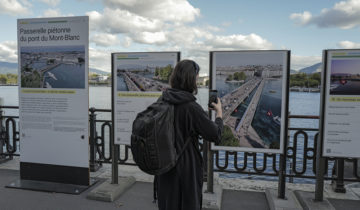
[(114, 157), (210, 169), (94, 166), (205, 159), (1, 130), (115, 166), (282, 164), (282, 176), (320, 169), (338, 184)]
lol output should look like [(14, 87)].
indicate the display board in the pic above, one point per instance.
[(138, 80), (340, 112), (253, 88), (54, 99)]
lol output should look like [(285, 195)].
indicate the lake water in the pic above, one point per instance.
[(300, 103), (67, 76)]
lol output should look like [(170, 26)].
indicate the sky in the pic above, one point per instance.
[(195, 27), (345, 66)]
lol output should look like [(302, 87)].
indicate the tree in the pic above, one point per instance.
[(229, 78), (242, 75), (237, 76), (227, 138), (3, 79)]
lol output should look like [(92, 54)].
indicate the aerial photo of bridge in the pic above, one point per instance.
[(251, 101), (345, 77), (143, 77), (53, 67)]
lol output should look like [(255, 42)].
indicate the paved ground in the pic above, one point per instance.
[(243, 200), (345, 204), (139, 197)]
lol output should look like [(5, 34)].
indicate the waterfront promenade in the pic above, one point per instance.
[(238, 194)]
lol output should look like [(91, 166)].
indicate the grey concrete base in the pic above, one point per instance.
[(307, 201), (212, 201), (110, 192), (275, 203)]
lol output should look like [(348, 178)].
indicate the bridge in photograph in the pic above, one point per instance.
[(49, 67), (136, 82), (242, 128)]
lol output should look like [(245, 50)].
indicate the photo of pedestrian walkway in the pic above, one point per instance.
[(250, 89), (53, 67), (144, 76), (345, 77)]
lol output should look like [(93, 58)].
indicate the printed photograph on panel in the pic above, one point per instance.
[(137, 74), (345, 77), (250, 88), (53, 67)]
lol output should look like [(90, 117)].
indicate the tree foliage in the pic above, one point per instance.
[(163, 73), (8, 78), (228, 139), (305, 80), (236, 76)]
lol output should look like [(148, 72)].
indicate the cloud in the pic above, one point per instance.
[(301, 18), (241, 42), (54, 13), (14, 7), (122, 21), (104, 39), (299, 62), (165, 10), (52, 3), (8, 51), (150, 38), (126, 42), (345, 15), (100, 59), (348, 45)]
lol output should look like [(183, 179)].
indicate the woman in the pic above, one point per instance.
[(181, 187)]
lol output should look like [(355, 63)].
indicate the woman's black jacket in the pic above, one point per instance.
[(181, 187)]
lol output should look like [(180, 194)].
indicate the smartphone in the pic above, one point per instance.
[(213, 97)]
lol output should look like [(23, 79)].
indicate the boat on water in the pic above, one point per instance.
[(47, 85), (272, 91), (274, 119), (52, 75), (277, 120), (334, 86)]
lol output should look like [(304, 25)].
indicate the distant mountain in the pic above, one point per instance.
[(311, 69), (97, 71), (292, 71), (6, 67)]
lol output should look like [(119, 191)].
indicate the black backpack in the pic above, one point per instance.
[(153, 138)]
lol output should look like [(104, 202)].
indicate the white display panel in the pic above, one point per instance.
[(252, 87), (138, 81), (53, 90), (341, 116)]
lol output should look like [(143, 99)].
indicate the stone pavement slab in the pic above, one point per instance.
[(289, 203), (340, 204), (307, 201), (109, 192), (238, 200), (138, 197)]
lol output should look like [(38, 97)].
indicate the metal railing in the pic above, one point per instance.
[(300, 152)]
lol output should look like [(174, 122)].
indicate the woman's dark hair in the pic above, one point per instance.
[(184, 76)]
